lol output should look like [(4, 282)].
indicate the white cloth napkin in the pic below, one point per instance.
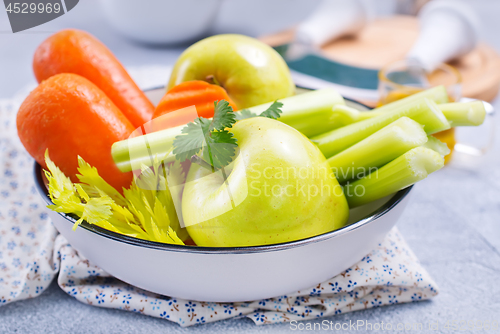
[(32, 254)]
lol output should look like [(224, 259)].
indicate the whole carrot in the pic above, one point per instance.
[(75, 51), (72, 117)]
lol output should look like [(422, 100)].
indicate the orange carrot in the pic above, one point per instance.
[(198, 93), (72, 117), (75, 51)]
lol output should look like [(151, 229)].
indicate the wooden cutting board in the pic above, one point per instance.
[(388, 40)]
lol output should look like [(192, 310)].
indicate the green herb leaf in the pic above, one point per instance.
[(217, 143), (192, 140), (224, 116), (244, 114), (221, 147), (273, 111)]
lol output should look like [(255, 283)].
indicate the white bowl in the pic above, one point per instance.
[(161, 21), (175, 21), (237, 273), (261, 17)]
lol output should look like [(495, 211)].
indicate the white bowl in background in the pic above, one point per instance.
[(261, 17), (161, 21), (175, 21)]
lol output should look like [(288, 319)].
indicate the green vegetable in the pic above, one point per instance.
[(212, 136), (345, 115), (244, 114), (187, 140), (273, 111), (464, 114), (134, 152), (378, 149), (437, 94), (145, 211), (437, 145), (457, 114), (310, 113), (423, 111), (402, 172)]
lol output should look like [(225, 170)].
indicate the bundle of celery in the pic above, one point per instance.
[(388, 149), (392, 140), (313, 113), (310, 113), (373, 154)]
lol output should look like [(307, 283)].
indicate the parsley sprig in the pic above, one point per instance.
[(273, 112), (212, 136)]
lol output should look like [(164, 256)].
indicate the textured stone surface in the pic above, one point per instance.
[(452, 222)]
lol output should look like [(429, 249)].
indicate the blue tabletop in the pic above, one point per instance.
[(452, 222)]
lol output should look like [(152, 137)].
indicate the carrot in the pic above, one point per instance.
[(72, 117), (75, 51), (198, 93)]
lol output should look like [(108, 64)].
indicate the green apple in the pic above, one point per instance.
[(251, 72), (279, 188)]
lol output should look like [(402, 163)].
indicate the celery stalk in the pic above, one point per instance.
[(378, 149), (130, 154), (310, 113), (344, 115), (464, 114), (398, 174), (437, 94), (457, 113), (437, 145), (423, 111)]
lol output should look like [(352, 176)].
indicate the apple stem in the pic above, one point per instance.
[(212, 80), (199, 161)]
